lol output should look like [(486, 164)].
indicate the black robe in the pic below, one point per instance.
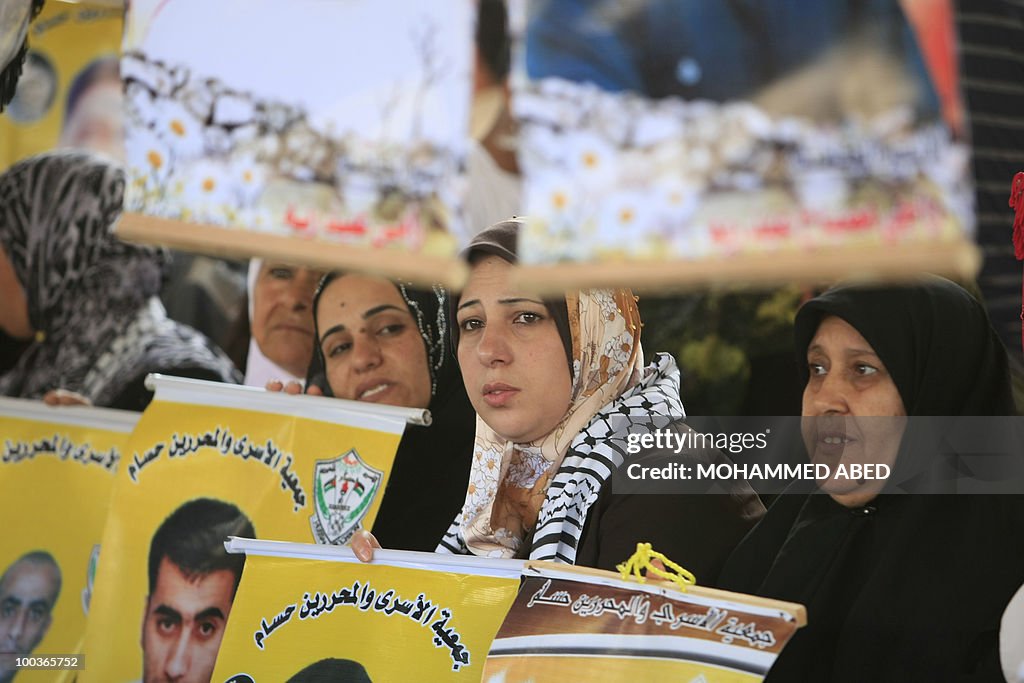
[(907, 587)]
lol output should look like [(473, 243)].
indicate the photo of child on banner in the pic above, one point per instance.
[(670, 129), (69, 93), (57, 470), (209, 461), (234, 135), (301, 614)]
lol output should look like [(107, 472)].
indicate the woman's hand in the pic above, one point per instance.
[(62, 397), (294, 388), (363, 545)]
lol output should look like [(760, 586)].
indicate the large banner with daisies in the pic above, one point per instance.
[(320, 132), (698, 141)]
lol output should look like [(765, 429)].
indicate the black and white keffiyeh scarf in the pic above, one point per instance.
[(598, 450)]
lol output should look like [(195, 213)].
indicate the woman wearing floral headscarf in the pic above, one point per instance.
[(557, 385), (88, 300)]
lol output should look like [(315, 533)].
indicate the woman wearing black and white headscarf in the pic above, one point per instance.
[(384, 342), (88, 300)]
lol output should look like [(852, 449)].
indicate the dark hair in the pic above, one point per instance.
[(502, 240), (428, 307), (193, 536), (11, 71), (316, 374), (332, 671), (492, 39)]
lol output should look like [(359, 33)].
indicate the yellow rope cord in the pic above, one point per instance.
[(641, 562)]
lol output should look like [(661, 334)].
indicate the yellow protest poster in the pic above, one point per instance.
[(57, 468), (581, 624), (209, 461), (306, 614), (69, 93)]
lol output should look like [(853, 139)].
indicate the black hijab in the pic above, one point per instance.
[(92, 299), (907, 587), (934, 338), (431, 468)]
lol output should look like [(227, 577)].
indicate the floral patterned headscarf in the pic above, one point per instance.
[(509, 481)]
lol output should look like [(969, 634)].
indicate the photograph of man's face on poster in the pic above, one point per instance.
[(192, 583), (29, 589)]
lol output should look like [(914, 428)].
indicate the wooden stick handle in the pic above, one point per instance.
[(238, 243), (957, 259)]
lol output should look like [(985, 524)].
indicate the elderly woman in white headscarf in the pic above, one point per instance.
[(280, 322)]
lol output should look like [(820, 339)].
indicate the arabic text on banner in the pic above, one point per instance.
[(198, 469), (69, 93), (376, 622), (573, 626), (57, 469)]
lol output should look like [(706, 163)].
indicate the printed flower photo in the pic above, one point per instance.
[(351, 127), (641, 138)]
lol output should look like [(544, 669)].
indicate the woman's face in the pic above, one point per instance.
[(511, 355), (14, 319), (858, 414), (282, 318), (372, 347)]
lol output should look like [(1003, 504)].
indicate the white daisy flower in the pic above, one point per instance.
[(149, 161), (624, 220), (180, 128), (551, 196), (591, 160), (247, 178), (208, 191)]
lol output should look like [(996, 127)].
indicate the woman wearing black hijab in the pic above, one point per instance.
[(385, 342), (897, 587)]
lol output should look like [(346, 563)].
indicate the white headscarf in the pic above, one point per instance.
[(258, 368)]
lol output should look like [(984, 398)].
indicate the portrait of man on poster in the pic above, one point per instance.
[(192, 584), (29, 588)]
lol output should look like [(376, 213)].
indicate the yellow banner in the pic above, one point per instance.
[(209, 461), (57, 470), (303, 620), (69, 93)]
